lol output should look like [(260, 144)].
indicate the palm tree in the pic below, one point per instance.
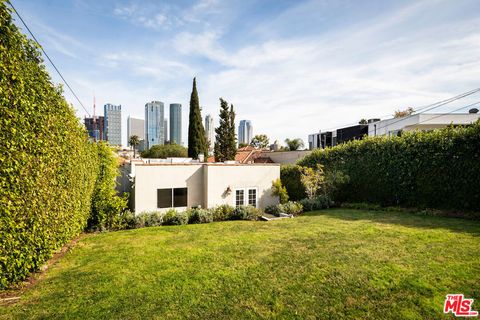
[(134, 141), (294, 144)]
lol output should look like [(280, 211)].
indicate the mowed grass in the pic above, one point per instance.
[(329, 264)]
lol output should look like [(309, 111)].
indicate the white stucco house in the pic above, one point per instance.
[(159, 186)]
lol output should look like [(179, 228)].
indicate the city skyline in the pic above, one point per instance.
[(294, 56)]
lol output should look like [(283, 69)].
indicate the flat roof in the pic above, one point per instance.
[(220, 164)]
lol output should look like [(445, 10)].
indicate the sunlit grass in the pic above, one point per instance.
[(330, 264)]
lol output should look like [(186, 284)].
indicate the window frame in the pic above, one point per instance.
[(246, 191), (172, 198)]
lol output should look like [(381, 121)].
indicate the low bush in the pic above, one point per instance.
[(246, 213), (272, 209), (222, 212), (291, 207), (123, 221), (174, 218), (317, 203), (148, 219), (198, 215)]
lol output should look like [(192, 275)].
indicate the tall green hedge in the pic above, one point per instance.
[(438, 169), (47, 165), (290, 176)]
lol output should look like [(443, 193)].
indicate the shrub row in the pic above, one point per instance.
[(438, 169), (128, 220)]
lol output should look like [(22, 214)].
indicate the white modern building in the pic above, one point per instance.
[(135, 127), (158, 186), (420, 121)]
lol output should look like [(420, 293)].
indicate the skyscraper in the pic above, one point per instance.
[(165, 130), (245, 132), (154, 116), (209, 131), (135, 127), (113, 124), (176, 123), (95, 127)]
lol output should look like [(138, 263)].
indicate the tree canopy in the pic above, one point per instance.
[(260, 141), (225, 142), (197, 142), (165, 151)]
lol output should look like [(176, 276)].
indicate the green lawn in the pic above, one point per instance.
[(330, 264)]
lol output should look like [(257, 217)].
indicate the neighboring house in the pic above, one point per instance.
[(160, 186), (249, 154), (421, 121)]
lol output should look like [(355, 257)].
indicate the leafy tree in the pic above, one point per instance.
[(313, 179), (363, 121), (197, 143), (166, 151), (106, 204), (294, 144), (403, 113), (225, 139), (260, 141), (242, 145), (280, 191), (134, 141)]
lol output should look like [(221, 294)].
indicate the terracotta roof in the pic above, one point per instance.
[(246, 154)]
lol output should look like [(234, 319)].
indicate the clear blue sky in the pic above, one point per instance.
[(292, 67)]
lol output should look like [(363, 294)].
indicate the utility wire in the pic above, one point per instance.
[(430, 107), (46, 55), (451, 112)]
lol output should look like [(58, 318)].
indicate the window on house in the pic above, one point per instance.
[(172, 198), (180, 197), (252, 197), (239, 198), (164, 198)]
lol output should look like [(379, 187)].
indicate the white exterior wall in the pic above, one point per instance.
[(206, 183), (420, 122), (220, 177), (285, 157), (149, 178)]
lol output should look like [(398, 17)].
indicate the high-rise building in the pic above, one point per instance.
[(176, 123), (245, 132), (165, 130), (135, 127), (113, 124), (154, 116), (209, 131), (95, 128)]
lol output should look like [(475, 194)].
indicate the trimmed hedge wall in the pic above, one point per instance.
[(46, 161), (290, 176), (438, 169)]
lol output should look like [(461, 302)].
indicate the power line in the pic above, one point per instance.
[(417, 110), (451, 112), (46, 55), (430, 107)]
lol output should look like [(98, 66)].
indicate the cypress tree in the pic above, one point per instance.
[(225, 142), (232, 137), (197, 142)]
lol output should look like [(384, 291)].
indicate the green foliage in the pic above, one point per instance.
[(134, 141), (290, 175), (312, 180), (291, 207), (165, 151), (106, 204), (246, 213), (197, 215), (272, 209), (260, 141), (438, 169), (172, 218), (322, 201), (225, 138), (197, 142), (294, 144), (47, 165), (222, 212), (123, 221), (279, 191), (242, 145)]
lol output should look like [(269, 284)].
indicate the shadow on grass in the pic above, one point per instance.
[(403, 219)]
